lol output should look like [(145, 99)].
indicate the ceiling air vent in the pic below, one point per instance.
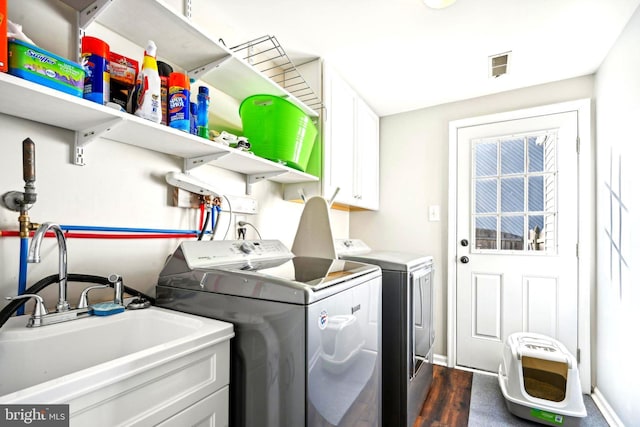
[(498, 64)]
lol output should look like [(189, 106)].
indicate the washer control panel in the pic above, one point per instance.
[(351, 247), (216, 253)]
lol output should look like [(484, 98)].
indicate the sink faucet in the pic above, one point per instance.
[(34, 256), (118, 288)]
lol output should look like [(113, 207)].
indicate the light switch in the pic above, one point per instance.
[(434, 213)]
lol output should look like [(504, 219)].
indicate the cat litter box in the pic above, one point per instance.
[(539, 380)]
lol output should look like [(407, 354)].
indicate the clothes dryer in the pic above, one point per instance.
[(407, 327)]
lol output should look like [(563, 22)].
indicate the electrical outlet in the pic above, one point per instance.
[(242, 205), (434, 213), (240, 231)]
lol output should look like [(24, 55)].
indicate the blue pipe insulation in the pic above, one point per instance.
[(22, 276), (215, 215), (126, 229)]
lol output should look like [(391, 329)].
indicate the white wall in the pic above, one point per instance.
[(617, 93), (121, 185), (414, 174)]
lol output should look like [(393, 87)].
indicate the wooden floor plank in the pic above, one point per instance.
[(448, 401)]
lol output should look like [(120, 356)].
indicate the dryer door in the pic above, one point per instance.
[(422, 318)]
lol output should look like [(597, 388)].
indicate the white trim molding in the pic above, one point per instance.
[(440, 359), (608, 413)]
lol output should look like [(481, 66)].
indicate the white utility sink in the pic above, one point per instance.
[(87, 361)]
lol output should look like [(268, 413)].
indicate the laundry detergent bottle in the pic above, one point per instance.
[(179, 102), (95, 57), (147, 99)]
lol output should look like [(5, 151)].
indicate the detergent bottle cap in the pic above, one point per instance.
[(96, 46), (180, 80), (151, 49)]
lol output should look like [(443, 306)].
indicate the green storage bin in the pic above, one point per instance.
[(278, 130)]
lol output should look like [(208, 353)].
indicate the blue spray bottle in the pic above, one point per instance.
[(203, 112), (194, 118)]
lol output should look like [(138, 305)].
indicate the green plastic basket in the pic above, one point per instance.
[(278, 130)]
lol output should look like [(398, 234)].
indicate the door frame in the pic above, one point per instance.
[(586, 225)]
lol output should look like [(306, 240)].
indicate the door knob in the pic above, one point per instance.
[(464, 242), (464, 259)]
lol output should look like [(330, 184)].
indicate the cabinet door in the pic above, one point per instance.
[(339, 138), (211, 411), (366, 158)]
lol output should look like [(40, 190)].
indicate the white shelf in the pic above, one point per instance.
[(28, 100), (32, 101), (182, 42)]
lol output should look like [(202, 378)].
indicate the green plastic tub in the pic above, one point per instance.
[(278, 130)]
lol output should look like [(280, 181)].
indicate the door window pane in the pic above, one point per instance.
[(512, 156), (512, 195), (536, 232), (536, 153), (512, 233), (486, 232), (486, 193), (486, 159), (536, 194)]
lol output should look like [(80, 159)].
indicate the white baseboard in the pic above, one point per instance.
[(607, 411), (439, 359)]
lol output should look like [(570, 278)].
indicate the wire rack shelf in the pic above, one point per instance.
[(267, 56)]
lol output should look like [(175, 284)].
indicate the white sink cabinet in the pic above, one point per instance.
[(140, 367)]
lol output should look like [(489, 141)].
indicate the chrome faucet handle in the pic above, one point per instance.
[(39, 311), (84, 296), (118, 288)]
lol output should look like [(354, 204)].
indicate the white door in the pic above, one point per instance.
[(517, 233)]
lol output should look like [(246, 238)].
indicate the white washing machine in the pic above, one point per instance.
[(306, 350)]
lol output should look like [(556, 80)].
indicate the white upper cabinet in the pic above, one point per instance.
[(351, 146), (339, 139), (366, 169), (350, 143)]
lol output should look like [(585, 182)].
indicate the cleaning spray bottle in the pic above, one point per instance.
[(203, 112), (147, 101)]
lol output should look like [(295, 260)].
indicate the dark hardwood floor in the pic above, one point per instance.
[(448, 401)]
